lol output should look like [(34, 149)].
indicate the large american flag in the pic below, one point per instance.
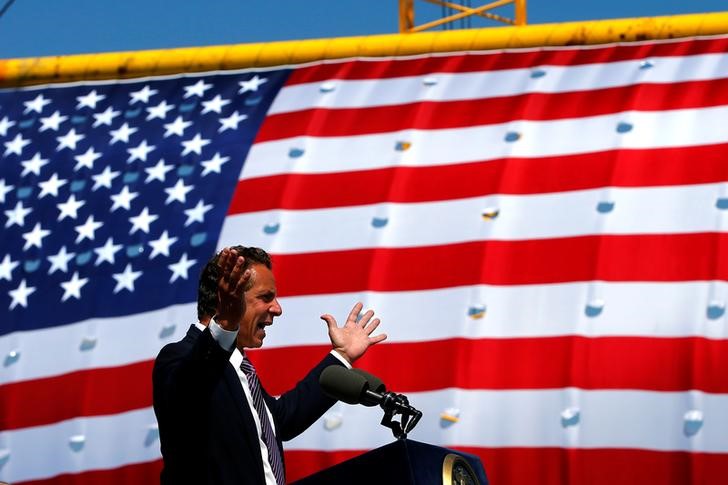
[(541, 231)]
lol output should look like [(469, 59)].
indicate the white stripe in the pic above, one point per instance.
[(532, 418), (627, 309), (110, 442), (654, 210), (116, 341), (507, 82), (675, 128)]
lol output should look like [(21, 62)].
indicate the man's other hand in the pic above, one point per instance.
[(231, 289), (353, 339)]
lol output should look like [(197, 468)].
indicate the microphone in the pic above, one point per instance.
[(374, 384), (356, 386), (340, 383)]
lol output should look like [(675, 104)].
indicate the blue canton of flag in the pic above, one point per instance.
[(113, 193)]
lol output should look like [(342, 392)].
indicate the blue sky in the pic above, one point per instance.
[(32, 28)]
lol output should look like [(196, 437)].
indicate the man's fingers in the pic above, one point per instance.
[(377, 338), (242, 282), (354, 312), (222, 259), (372, 326), (230, 262), (232, 272), (226, 263), (330, 321), (365, 318)]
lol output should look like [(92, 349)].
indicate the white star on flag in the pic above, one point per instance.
[(6, 268), (60, 260), (251, 85), (16, 145), (70, 207), (34, 238), (142, 221), (140, 152), (52, 122), (161, 245), (69, 140), (17, 214), (177, 127), (123, 199), (4, 190), (231, 122), (125, 280), (197, 89), (215, 104), (178, 192), (5, 124), (89, 100), (158, 171), (36, 104), (180, 268), (87, 159), (142, 95), (104, 179), (88, 229), (105, 118), (72, 287), (197, 213), (214, 164), (20, 295), (122, 133), (194, 145), (160, 111), (107, 252), (51, 186), (33, 165)]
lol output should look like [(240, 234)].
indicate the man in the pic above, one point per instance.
[(217, 424)]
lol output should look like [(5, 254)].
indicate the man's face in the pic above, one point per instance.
[(261, 306)]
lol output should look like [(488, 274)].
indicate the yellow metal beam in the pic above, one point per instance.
[(521, 12), (16, 72), (481, 11), (486, 15), (465, 12), (406, 15)]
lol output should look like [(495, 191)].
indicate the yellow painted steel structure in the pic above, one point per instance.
[(41, 70), (407, 14)]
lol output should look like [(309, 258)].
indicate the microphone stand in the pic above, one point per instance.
[(394, 404)]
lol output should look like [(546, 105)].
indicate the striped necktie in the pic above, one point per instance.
[(274, 454)]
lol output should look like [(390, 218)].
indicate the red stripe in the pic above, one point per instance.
[(139, 473), (615, 168), (673, 257), (498, 60), (504, 466), (92, 392), (656, 364), (435, 115), (560, 466)]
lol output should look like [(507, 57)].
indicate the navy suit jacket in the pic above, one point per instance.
[(206, 426)]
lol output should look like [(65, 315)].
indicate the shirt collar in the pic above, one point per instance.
[(236, 358)]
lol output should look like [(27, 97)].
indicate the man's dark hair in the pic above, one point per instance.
[(207, 289)]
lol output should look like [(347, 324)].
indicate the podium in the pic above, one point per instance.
[(404, 462)]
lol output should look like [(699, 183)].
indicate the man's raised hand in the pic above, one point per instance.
[(231, 285), (353, 339)]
